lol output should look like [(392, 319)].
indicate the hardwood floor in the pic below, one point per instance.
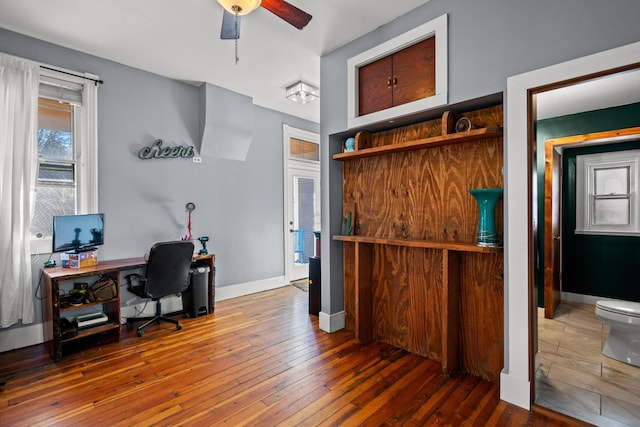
[(575, 378), (259, 360)]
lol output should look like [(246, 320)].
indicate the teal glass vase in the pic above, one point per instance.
[(487, 199)]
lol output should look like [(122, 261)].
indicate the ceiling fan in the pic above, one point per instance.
[(233, 9)]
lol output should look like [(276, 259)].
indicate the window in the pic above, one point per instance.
[(66, 181), (304, 150), (606, 193)]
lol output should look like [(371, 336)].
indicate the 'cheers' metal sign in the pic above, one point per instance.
[(157, 151)]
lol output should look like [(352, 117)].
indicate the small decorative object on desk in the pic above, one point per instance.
[(349, 145), (463, 125), (487, 199)]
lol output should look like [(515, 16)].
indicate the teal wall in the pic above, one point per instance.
[(592, 265)]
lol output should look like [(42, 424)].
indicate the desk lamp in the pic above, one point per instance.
[(190, 207)]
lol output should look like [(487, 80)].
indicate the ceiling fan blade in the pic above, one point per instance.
[(228, 29), (294, 16)]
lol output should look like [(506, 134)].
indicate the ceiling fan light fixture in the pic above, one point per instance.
[(240, 7), (302, 92)]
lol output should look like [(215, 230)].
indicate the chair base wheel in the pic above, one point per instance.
[(179, 327), (140, 333)]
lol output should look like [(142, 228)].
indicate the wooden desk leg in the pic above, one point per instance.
[(364, 292), (450, 312)]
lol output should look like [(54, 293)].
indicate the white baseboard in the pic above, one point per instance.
[(515, 390), (584, 299), (331, 322), (23, 336), (247, 288)]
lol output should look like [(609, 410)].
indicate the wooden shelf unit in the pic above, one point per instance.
[(412, 277)]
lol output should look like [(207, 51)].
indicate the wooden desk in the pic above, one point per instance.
[(52, 310)]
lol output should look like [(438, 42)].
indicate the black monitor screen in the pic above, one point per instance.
[(77, 232)]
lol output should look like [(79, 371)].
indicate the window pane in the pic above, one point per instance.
[(611, 211), (299, 149), (56, 173), (612, 181), (304, 218), (51, 201), (55, 130)]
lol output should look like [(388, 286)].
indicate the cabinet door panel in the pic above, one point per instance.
[(374, 91), (414, 72)]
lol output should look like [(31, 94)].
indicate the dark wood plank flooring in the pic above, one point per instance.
[(259, 360)]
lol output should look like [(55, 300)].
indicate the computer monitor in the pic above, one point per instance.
[(77, 233)]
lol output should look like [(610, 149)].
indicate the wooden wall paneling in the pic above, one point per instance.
[(451, 312), (407, 298), (482, 314), (363, 291), (407, 133), (418, 293)]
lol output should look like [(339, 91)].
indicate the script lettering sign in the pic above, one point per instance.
[(157, 151)]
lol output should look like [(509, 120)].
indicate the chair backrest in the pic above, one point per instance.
[(168, 268)]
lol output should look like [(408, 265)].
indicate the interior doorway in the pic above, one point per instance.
[(516, 383), (302, 199), (544, 333)]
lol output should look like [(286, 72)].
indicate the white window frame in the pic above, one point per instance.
[(85, 146), (586, 166)]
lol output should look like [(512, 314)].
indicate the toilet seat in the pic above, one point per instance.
[(626, 308)]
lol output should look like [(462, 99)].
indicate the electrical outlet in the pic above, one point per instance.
[(197, 159)]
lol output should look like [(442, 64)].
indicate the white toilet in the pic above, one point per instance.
[(623, 317)]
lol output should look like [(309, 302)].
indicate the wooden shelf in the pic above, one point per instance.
[(451, 246), (93, 330), (453, 138), (87, 304)]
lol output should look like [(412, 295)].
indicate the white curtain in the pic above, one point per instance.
[(18, 164)]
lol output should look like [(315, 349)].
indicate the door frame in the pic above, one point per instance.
[(516, 381), (289, 132)]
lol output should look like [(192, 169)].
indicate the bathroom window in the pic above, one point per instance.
[(606, 193)]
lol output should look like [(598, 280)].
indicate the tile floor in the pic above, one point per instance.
[(574, 378)]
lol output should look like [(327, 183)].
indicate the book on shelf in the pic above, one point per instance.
[(91, 319)]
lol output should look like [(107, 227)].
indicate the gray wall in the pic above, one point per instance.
[(488, 41), (239, 204)]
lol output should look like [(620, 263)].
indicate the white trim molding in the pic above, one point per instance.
[(331, 322), (247, 288)]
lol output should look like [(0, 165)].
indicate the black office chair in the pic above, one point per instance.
[(167, 273)]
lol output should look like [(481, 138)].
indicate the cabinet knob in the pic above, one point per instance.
[(389, 80)]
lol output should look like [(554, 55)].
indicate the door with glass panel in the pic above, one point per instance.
[(302, 194)]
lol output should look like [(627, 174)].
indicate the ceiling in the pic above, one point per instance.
[(180, 39), (616, 89)]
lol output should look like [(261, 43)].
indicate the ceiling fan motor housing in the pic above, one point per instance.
[(240, 7)]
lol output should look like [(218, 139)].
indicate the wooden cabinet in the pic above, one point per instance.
[(413, 275), (402, 77)]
